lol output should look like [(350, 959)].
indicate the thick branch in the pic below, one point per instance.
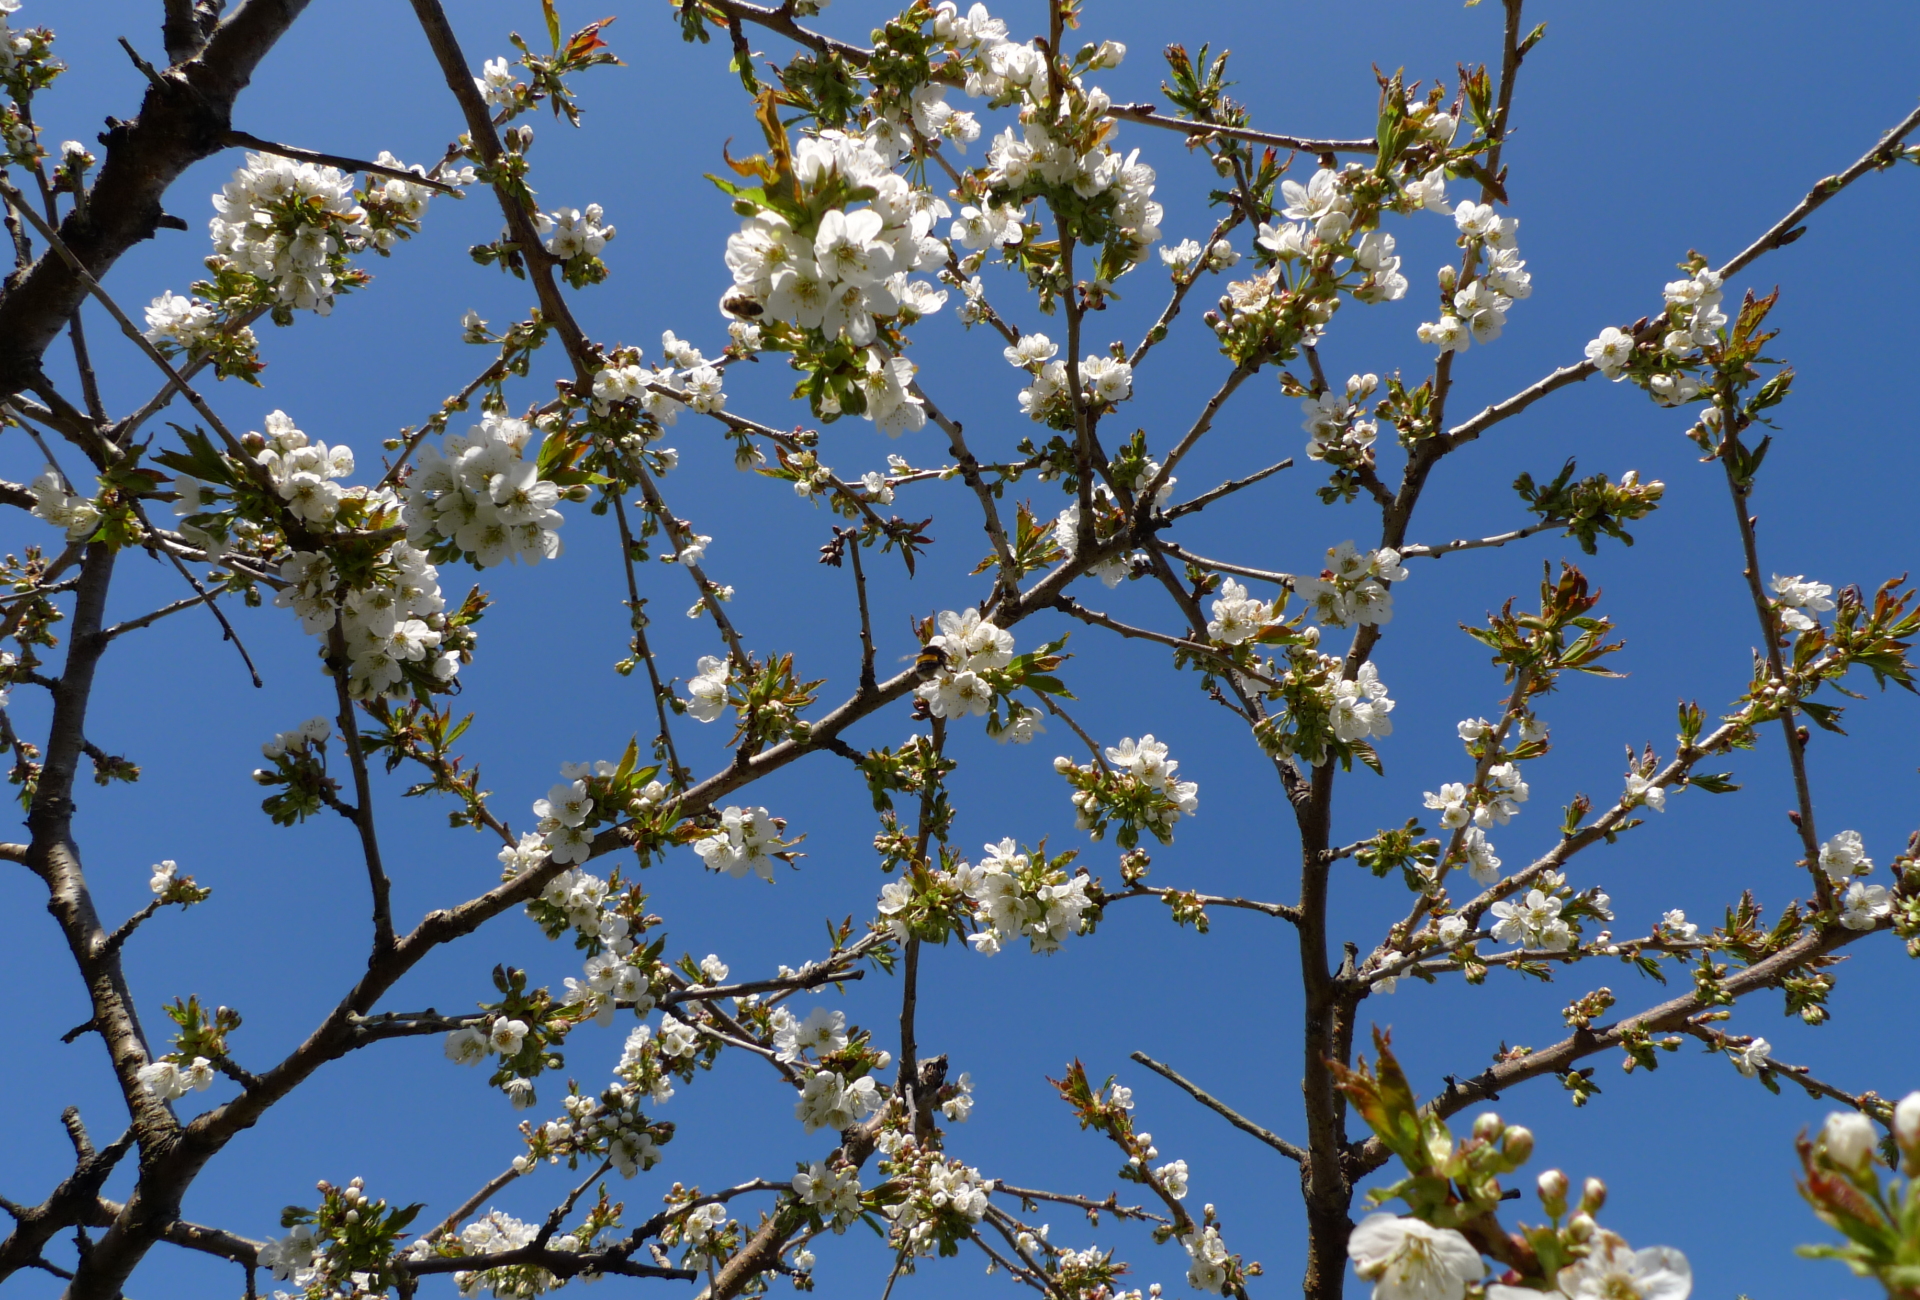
[(182, 118)]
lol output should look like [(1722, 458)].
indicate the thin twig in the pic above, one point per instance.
[(1220, 1108), (1228, 488), (1146, 115), (242, 140)]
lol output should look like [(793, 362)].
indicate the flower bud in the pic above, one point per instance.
[(1847, 1139), (1906, 1125), (1553, 1192), (1517, 1145), (1581, 1226), (1488, 1127), (1448, 279), (1593, 1195)]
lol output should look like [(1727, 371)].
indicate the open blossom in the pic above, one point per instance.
[(1031, 350), (959, 1106), (168, 1081), (1407, 1259), (1675, 926), (1236, 618), (1534, 922), (1845, 855), (53, 503), (1863, 905), (1613, 1270), (1611, 352), (707, 690), (1506, 792), (1451, 803), (744, 842), (1641, 789), (291, 1254), (570, 233), (1360, 706), (505, 1035), (829, 1101), (495, 83), (1752, 1058), (1449, 333), (824, 1031), (1482, 865), (1208, 1260), (1800, 600), (1483, 310)]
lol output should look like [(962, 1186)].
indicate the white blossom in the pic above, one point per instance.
[(1407, 1259)]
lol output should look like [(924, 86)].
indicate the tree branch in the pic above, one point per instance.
[(1220, 1108)]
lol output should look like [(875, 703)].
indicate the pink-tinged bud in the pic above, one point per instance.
[(1517, 1146), (1847, 1139), (1488, 1127), (1593, 1195), (1553, 1192)]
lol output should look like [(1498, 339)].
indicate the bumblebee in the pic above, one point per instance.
[(930, 660)]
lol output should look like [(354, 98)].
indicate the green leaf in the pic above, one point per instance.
[(553, 23)]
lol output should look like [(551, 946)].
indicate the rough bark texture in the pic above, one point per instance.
[(186, 110)]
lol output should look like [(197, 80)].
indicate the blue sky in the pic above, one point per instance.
[(1641, 131)]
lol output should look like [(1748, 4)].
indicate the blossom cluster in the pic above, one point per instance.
[(1349, 590), (1104, 381), (686, 380), (610, 1125), (289, 225), (747, 839), (79, 516), (1666, 369), (1024, 895), (1477, 310), (478, 497), (1798, 600), (830, 1100), (1109, 516), (1337, 431), (1238, 617), (970, 647), (1135, 788), (832, 1192), (1325, 714), (940, 1198), (1844, 859)]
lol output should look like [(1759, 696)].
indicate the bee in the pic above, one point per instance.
[(931, 659), (738, 304)]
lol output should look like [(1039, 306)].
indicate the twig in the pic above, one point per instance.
[(1109, 1206), (1474, 543), (362, 815), (242, 140), (1284, 911), (1146, 115), (1220, 1108), (1179, 552), (148, 620), (1228, 488)]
